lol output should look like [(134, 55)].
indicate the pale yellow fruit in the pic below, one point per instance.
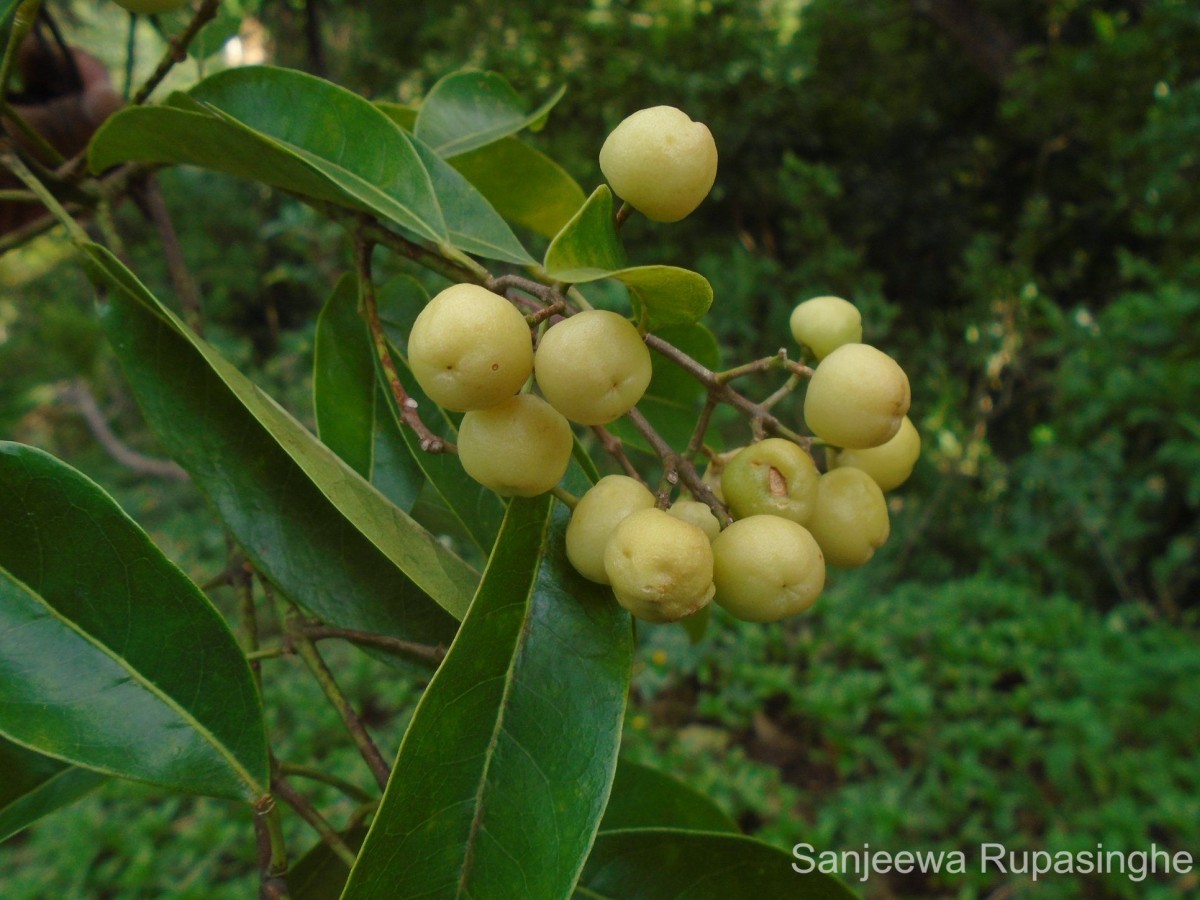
[(470, 348), (660, 567), (596, 516), (593, 367), (518, 448), (660, 162), (889, 464), (850, 520), (825, 323), (857, 397), (767, 568), (773, 477), (698, 514)]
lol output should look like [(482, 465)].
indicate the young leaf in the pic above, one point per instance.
[(643, 797), (652, 863), (35, 786), (286, 129), (110, 658), (308, 522), (588, 249), (504, 771), (470, 109)]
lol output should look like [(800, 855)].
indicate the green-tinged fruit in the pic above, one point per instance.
[(593, 367), (857, 397), (767, 568), (660, 567), (851, 518), (698, 514), (825, 323), (518, 448), (773, 477), (470, 348), (596, 516), (889, 464), (660, 162)]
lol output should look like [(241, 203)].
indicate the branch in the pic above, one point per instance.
[(80, 395), (309, 814), (177, 49), (425, 653)]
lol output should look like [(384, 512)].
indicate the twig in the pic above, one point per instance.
[(310, 814), (154, 207), (615, 448), (425, 653), (346, 787), (177, 50), (80, 396), (406, 405), (272, 851), (676, 468)]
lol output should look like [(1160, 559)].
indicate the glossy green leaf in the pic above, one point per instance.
[(286, 129), (504, 771), (35, 786), (474, 508), (674, 398), (589, 249), (643, 797), (523, 185), (474, 226), (6, 9), (110, 657), (470, 109), (653, 864), (309, 522)]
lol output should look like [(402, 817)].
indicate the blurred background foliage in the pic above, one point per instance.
[(1008, 193)]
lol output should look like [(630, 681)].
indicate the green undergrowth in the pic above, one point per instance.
[(939, 718)]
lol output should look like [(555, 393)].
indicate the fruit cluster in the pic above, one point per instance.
[(756, 533)]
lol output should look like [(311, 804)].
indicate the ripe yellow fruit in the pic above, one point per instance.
[(850, 520), (889, 464), (857, 397), (593, 367), (660, 567), (660, 162), (767, 568), (825, 323), (596, 516), (518, 448), (470, 348), (150, 7)]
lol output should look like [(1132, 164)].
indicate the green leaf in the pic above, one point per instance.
[(674, 398), (589, 249), (110, 658), (504, 771), (523, 185), (470, 109), (474, 226), (309, 522), (6, 9), (474, 508), (643, 797), (351, 410), (35, 786), (652, 863), (286, 129)]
